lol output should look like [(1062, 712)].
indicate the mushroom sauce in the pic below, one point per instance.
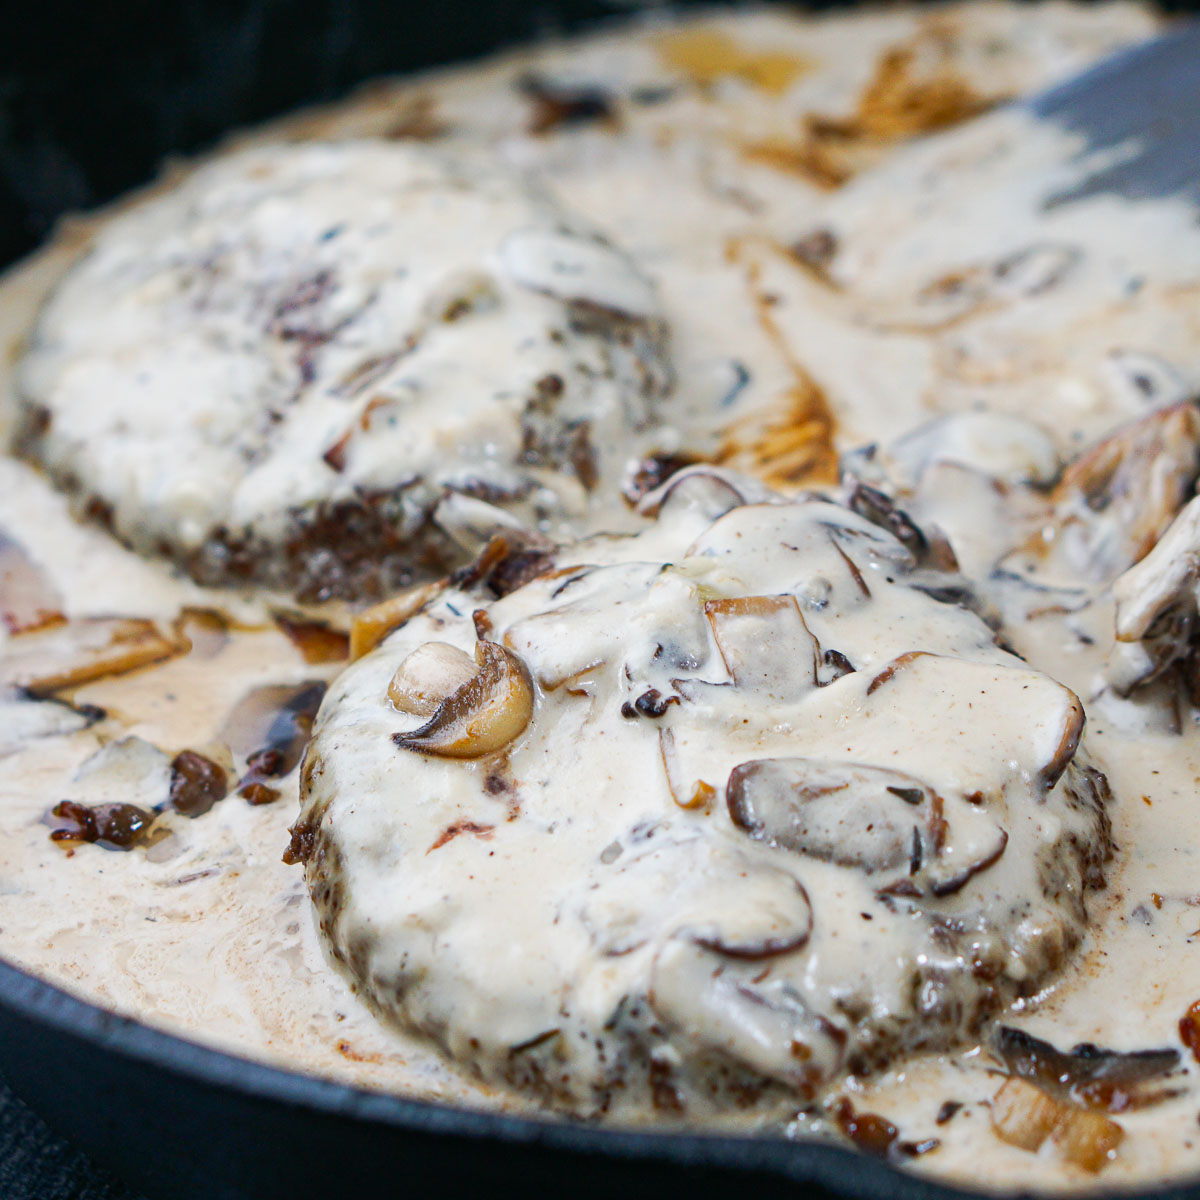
[(839, 785)]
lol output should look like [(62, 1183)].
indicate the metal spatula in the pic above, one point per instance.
[(1147, 96)]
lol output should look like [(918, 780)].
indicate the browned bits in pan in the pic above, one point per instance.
[(197, 783), (114, 826)]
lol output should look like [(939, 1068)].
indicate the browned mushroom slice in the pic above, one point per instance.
[(1025, 1116), (879, 508), (1157, 606), (765, 645), (373, 624), (846, 813), (778, 923), (428, 675), (28, 598), (76, 652), (1104, 1080), (1116, 500), (730, 1008), (711, 491), (973, 843), (481, 716)]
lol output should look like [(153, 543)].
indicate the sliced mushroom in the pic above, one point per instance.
[(428, 675), (765, 644), (686, 791), (709, 491), (879, 508), (578, 268), (1157, 606), (730, 1008), (1025, 1116), (845, 813), (28, 598), (472, 522), (77, 652), (373, 624), (24, 717), (1116, 500), (1104, 1080), (483, 715), (987, 706), (625, 613), (712, 893)]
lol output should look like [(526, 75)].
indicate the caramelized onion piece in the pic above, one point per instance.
[(429, 675), (1189, 1030), (687, 793), (373, 624), (1025, 1116), (204, 630), (77, 652), (483, 715), (316, 641), (28, 598)]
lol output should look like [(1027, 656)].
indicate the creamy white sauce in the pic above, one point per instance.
[(297, 329), (674, 185)]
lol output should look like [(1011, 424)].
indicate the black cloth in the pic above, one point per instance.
[(37, 1164)]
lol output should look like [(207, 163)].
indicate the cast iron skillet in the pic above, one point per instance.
[(91, 100)]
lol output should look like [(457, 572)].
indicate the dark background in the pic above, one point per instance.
[(93, 95)]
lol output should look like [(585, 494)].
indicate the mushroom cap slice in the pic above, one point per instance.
[(428, 675), (731, 1008), (1157, 606), (1116, 500), (483, 715), (845, 813)]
